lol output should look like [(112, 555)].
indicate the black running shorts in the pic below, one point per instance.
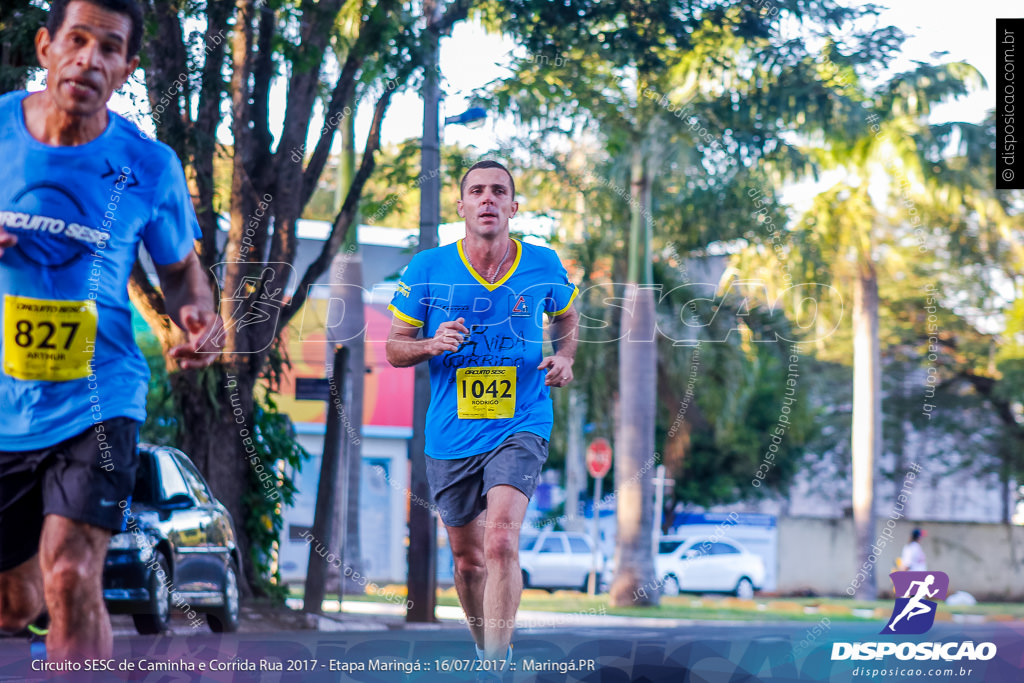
[(82, 478)]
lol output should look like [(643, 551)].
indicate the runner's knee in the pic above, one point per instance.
[(469, 565), (501, 546), (68, 579)]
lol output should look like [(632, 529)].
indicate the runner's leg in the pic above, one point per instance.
[(467, 544), (71, 556), (506, 508), (21, 595)]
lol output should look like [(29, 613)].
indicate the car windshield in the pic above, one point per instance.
[(669, 546), (526, 542)]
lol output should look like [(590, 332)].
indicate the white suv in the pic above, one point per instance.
[(558, 559)]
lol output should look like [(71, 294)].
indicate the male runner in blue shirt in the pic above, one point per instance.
[(80, 187), (481, 304)]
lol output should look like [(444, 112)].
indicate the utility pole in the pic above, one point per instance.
[(422, 527)]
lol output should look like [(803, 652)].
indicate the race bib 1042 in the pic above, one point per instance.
[(486, 392), (48, 339)]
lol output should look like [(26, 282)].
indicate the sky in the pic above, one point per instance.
[(963, 28), (470, 58)]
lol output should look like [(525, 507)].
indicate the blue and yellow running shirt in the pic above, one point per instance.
[(491, 387), (69, 357)]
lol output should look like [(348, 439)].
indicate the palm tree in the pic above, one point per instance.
[(843, 237)]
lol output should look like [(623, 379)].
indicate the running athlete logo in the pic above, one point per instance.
[(914, 612), (521, 305)]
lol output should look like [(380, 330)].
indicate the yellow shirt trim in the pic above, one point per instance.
[(575, 291), (405, 318), (480, 278)]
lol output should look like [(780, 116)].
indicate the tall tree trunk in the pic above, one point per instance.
[(634, 448), (575, 469), (638, 358), (867, 421), (214, 403)]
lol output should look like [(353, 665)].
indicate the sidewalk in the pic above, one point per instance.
[(383, 615), (392, 616)]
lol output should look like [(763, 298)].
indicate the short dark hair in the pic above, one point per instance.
[(486, 163), (58, 8)]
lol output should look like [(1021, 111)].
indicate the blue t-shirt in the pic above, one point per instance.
[(490, 388), (69, 358)]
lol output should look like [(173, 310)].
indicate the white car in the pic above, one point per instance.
[(702, 564), (558, 559)]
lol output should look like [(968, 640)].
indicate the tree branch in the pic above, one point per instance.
[(148, 301), (455, 12), (986, 386), (317, 22), (167, 81), (204, 131), (344, 219), (342, 94), (263, 73)]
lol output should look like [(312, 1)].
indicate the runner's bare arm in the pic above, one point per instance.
[(404, 349), (564, 331), (189, 303)]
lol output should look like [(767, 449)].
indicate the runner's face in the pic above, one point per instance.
[(87, 59), (487, 204)]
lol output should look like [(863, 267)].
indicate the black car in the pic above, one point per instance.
[(178, 551)]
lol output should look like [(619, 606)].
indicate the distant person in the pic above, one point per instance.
[(474, 311), (913, 559)]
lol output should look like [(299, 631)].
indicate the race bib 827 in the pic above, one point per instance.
[(486, 392), (48, 339)]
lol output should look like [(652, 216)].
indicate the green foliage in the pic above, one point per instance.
[(163, 422), (740, 395), (19, 21), (277, 452)]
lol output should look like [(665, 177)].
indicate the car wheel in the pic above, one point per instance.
[(526, 579), (224, 619), (744, 589), (158, 612), (671, 586)]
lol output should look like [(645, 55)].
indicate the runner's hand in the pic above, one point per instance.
[(6, 240), (205, 330), (559, 370), (449, 337)]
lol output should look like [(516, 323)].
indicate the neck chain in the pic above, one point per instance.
[(494, 273)]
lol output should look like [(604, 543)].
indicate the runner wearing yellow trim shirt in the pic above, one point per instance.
[(480, 304)]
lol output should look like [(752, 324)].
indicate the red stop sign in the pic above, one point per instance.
[(599, 457)]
